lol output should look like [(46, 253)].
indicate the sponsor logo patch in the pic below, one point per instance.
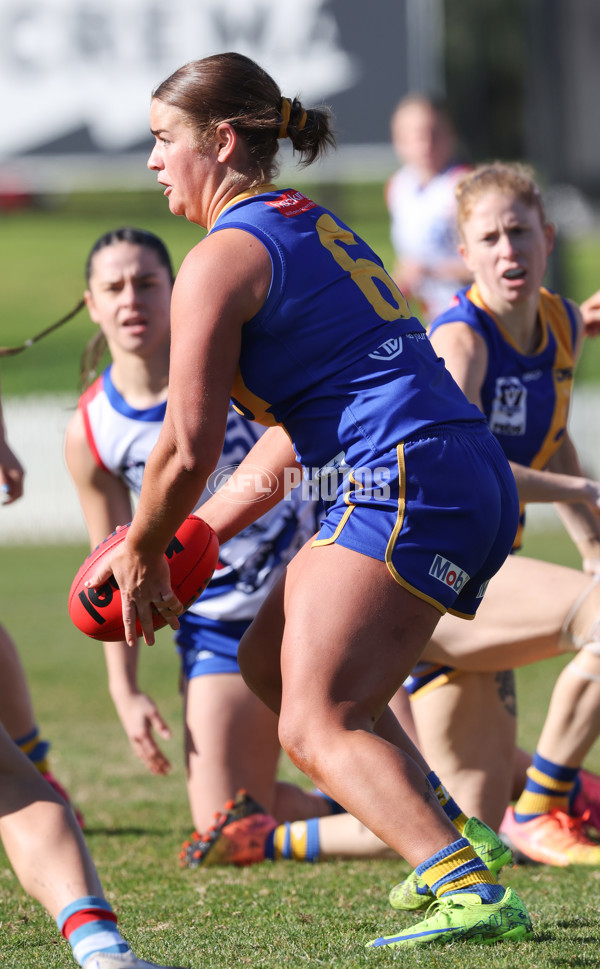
[(292, 203), (447, 572)]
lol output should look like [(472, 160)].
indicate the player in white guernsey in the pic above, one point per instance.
[(422, 208), (120, 438), (231, 737)]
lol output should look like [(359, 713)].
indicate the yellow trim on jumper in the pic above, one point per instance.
[(249, 193), (476, 298), (252, 403)]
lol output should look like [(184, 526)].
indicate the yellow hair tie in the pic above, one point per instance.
[(285, 110), (302, 121)]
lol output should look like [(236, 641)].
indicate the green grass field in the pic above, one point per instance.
[(272, 916)]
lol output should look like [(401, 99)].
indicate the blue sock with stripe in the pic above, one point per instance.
[(548, 786), (90, 925), (457, 869), (35, 748), (447, 803)]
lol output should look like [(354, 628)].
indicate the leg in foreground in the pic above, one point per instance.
[(49, 856)]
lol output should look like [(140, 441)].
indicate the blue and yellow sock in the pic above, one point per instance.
[(295, 841), (548, 786), (36, 749), (457, 869), (90, 925), (447, 803)]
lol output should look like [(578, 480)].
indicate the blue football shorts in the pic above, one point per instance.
[(440, 509), (208, 645), (427, 677)]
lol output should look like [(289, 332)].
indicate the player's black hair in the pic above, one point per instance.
[(136, 237)]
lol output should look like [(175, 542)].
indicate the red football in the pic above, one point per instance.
[(192, 555)]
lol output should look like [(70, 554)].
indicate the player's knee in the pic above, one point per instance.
[(581, 628), (586, 664), (298, 740)]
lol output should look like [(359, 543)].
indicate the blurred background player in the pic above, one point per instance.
[(590, 310), (16, 706), (11, 469), (422, 206)]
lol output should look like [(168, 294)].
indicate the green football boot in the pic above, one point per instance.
[(465, 916)]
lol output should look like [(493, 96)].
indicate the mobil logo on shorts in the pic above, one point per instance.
[(447, 572)]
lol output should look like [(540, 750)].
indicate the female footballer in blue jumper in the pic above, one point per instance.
[(288, 312)]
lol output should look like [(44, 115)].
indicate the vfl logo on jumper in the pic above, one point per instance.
[(448, 573), (388, 350), (509, 407), (94, 599)]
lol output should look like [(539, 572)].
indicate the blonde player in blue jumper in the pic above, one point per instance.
[(512, 346)]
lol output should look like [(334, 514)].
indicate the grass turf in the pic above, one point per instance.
[(273, 915)]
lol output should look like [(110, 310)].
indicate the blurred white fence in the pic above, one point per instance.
[(49, 512)]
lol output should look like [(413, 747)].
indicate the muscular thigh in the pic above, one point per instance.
[(519, 621), (352, 633), (260, 647)]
